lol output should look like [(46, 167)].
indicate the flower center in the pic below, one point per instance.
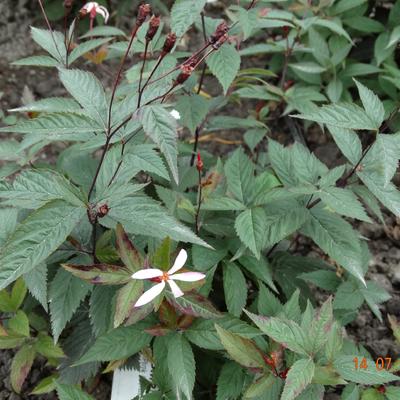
[(165, 276)]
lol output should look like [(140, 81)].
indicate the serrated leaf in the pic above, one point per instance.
[(119, 343), (47, 348), (160, 126), (69, 392), (196, 305), (348, 143), (53, 42), (230, 381), (250, 226), (259, 387), (100, 274), (126, 298), (184, 13), (344, 202), (21, 366), (336, 237), (87, 91), (341, 115), (46, 385), (143, 216), (36, 281), (369, 376), (36, 61), (298, 378), (85, 47), (51, 105), (65, 294), (36, 238), (222, 204), (19, 324), (283, 331), (101, 309), (127, 251), (308, 67), (181, 364), (235, 288), (371, 103), (193, 109), (224, 64), (242, 350)]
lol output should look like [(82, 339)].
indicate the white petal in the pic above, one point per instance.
[(147, 273), (89, 6), (175, 114), (103, 12), (175, 288), (179, 261), (150, 294), (188, 276)]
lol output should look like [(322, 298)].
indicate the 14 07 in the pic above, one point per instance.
[(381, 363)]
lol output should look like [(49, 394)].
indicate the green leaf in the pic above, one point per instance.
[(250, 226), (248, 21), (382, 50), (8, 217), (222, 204), (51, 105), (36, 238), (235, 288), (36, 61), (33, 188), (117, 344), (268, 304), (69, 392), (196, 305), (181, 364), (127, 251), (184, 13), (53, 42), (230, 381), (337, 238), (143, 216), (100, 274), (21, 366), (126, 298), (193, 110), (368, 376), (36, 281), (321, 325), (298, 378), (87, 91), (344, 202), (69, 127), (18, 294), (19, 324), (283, 331), (242, 350), (46, 385), (239, 171), (341, 115), (65, 294), (308, 67), (203, 333), (371, 103), (161, 127), (47, 348), (261, 269), (101, 309), (224, 64), (85, 47), (259, 387), (348, 143), (392, 393)]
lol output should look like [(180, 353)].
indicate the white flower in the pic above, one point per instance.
[(175, 114), (170, 277), (94, 8)]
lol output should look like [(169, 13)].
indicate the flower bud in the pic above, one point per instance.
[(143, 13), (220, 41), (284, 373), (221, 30), (169, 43), (153, 27), (186, 72), (103, 210), (199, 164), (68, 4)]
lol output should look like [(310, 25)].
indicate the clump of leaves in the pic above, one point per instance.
[(99, 237)]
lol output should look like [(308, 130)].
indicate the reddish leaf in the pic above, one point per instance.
[(20, 366), (129, 255)]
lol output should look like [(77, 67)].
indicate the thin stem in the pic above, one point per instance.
[(197, 227), (49, 27), (288, 53), (162, 96), (94, 240), (141, 73), (162, 55), (118, 77), (252, 4), (75, 22)]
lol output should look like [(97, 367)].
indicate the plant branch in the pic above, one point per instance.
[(141, 73)]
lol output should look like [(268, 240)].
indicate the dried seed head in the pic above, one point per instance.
[(284, 373), (169, 42), (153, 27), (221, 30), (143, 13), (186, 71), (199, 164), (103, 210), (220, 41), (68, 4)]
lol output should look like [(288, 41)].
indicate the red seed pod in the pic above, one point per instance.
[(221, 30), (186, 72), (143, 13), (199, 164), (153, 27), (103, 211), (284, 373), (381, 389), (169, 43), (285, 30)]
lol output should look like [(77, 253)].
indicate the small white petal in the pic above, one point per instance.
[(175, 288), (103, 12), (147, 273), (179, 262), (175, 114), (150, 294), (188, 276), (89, 6)]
